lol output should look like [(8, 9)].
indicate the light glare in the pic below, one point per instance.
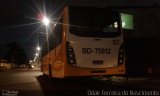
[(36, 54), (45, 21), (38, 48)]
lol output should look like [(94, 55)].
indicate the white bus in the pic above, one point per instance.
[(85, 41)]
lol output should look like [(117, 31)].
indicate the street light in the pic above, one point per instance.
[(38, 48), (46, 21), (37, 54)]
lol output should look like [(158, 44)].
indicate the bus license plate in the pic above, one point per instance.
[(96, 50), (97, 62)]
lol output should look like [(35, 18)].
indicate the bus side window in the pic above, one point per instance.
[(56, 36)]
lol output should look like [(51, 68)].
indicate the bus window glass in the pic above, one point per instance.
[(93, 23), (55, 37)]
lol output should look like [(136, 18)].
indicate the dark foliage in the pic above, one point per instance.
[(16, 54)]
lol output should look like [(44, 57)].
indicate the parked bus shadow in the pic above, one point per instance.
[(74, 86)]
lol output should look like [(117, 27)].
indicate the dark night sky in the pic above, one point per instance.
[(16, 25), (15, 13)]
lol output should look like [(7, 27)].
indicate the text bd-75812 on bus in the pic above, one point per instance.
[(85, 41)]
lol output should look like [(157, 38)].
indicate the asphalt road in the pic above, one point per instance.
[(31, 82), (21, 81)]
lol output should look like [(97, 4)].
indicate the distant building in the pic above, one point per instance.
[(142, 42), (5, 64)]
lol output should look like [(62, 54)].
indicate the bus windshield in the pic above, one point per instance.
[(93, 22)]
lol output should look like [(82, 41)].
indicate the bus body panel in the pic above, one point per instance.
[(88, 51), (58, 61), (86, 68)]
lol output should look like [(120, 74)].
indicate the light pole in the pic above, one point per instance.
[(45, 21)]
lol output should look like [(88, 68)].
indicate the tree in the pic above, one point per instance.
[(16, 55)]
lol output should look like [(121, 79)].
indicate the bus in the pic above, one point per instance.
[(85, 41)]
